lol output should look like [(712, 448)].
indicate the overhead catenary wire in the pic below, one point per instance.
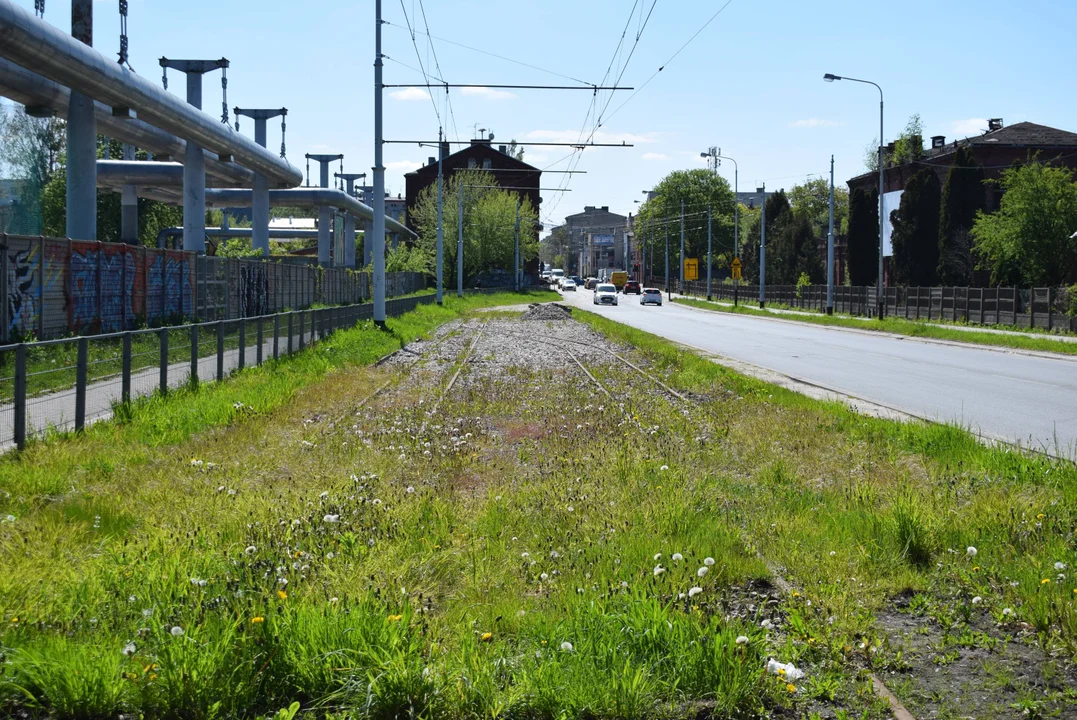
[(437, 64)]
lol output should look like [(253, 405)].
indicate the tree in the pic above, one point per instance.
[(862, 249), (962, 199), (915, 238), (489, 224), (811, 200), (1029, 240), (516, 151), (908, 147), (31, 150), (699, 189)]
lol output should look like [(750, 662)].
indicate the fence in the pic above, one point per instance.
[(56, 287), (1045, 308), (67, 383)]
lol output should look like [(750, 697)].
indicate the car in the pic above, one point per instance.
[(632, 286), (568, 284), (590, 283), (578, 280), (555, 276), (605, 294), (651, 296)]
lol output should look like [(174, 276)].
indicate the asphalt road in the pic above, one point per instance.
[(998, 394)]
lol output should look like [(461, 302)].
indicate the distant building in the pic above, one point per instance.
[(597, 241)]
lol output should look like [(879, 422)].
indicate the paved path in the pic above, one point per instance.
[(999, 394), (57, 410)]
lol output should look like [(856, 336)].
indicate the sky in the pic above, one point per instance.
[(749, 83)]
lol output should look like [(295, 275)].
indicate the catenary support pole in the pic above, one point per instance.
[(379, 179), (882, 213), (81, 142), (681, 274), (460, 243), (516, 250), (441, 203), (830, 248), (668, 296), (763, 247)]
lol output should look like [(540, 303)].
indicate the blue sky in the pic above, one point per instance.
[(750, 83)]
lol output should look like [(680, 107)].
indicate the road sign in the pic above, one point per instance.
[(736, 265), (691, 269)]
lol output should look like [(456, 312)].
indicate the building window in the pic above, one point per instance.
[(471, 163), (486, 164)]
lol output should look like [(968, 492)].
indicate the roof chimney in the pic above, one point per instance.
[(431, 160), (503, 149), (994, 124), (605, 208), (937, 141)]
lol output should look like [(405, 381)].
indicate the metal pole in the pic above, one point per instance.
[(763, 247), (81, 142), (516, 250), (681, 275), (667, 260), (194, 179), (882, 212), (81, 366), (260, 198), (830, 248), (325, 220), (441, 202), (708, 252), (379, 180), (460, 244), (736, 227)]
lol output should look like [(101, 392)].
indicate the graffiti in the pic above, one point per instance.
[(169, 287), (253, 290), (101, 281), (21, 291)]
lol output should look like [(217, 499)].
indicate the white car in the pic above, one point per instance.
[(568, 284), (556, 275), (605, 294), (651, 296)]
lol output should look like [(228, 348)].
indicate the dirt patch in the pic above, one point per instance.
[(974, 672), (547, 311)]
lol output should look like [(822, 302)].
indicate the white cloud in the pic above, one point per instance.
[(411, 93), (488, 93), (573, 136), (403, 166), (969, 126), (654, 156), (815, 123)]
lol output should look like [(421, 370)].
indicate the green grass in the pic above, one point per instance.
[(435, 564), (901, 326)]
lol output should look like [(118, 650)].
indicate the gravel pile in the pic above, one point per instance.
[(547, 311)]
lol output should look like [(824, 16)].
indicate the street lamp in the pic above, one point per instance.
[(736, 215), (830, 77)]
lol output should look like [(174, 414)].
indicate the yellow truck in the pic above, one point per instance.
[(619, 278)]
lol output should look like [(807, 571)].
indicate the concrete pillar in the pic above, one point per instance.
[(129, 206), (325, 218), (349, 241), (194, 180), (81, 142)]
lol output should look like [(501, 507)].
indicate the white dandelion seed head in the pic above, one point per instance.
[(176, 631), (742, 640), (571, 509), (1060, 566), (324, 494), (658, 570), (147, 612), (833, 553), (331, 518), (566, 646), (1007, 611), (702, 571), (708, 561), (9, 518), (977, 600), (664, 468), (250, 549), (971, 551), (544, 577), (624, 584), (677, 557), (766, 624), (657, 555), (129, 649), (694, 591)]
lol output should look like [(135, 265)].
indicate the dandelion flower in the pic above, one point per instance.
[(250, 549), (571, 509), (1009, 611), (324, 494), (1045, 581), (742, 640), (331, 518), (544, 577), (708, 561), (282, 595), (176, 630), (767, 624), (702, 571), (9, 518), (487, 637), (791, 687), (664, 468), (658, 570), (147, 612), (971, 551), (395, 618), (656, 556), (694, 591), (566, 646), (525, 555), (833, 553), (977, 600), (129, 649), (410, 490), (257, 620), (677, 557)]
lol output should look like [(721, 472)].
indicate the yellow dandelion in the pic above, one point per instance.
[(781, 671), (487, 636), (257, 620), (1045, 581), (396, 618), (282, 595), (790, 687), (1041, 516), (153, 677), (975, 568), (796, 594), (14, 619)]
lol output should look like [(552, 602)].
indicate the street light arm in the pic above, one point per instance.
[(866, 82)]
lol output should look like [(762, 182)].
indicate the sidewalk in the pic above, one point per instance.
[(752, 302)]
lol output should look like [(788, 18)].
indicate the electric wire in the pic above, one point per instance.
[(437, 64), (419, 57)]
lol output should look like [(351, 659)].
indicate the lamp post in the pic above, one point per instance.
[(830, 77), (736, 214)]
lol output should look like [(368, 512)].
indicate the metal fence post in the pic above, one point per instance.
[(81, 366), (1050, 312), (4, 324), (125, 373), (301, 343), (220, 350), (20, 396), (291, 331), (1031, 309), (276, 336), (193, 379), (242, 343), (258, 354), (164, 360)]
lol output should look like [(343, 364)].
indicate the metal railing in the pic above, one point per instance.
[(67, 383), (1044, 308)]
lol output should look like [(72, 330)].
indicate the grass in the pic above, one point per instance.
[(390, 562), (901, 326)]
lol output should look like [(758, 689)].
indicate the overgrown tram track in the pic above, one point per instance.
[(898, 709)]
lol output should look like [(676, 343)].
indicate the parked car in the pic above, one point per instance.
[(632, 286), (590, 283), (651, 296), (568, 284), (605, 294)]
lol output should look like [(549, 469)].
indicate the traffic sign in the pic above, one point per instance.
[(691, 268), (736, 266)]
